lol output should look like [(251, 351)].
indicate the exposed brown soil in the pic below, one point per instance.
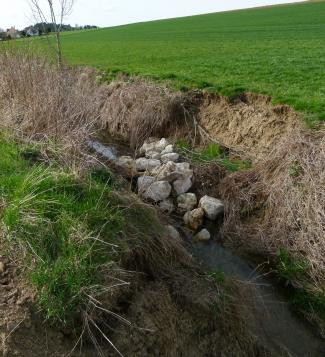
[(250, 122), (187, 325), (182, 316), (23, 332)]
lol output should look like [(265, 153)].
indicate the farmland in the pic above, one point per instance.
[(279, 51)]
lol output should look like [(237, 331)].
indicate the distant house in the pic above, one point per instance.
[(31, 31), (13, 33)]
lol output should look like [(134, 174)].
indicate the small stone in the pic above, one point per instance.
[(126, 163), (182, 185), (2, 267), (161, 144), (212, 207), (173, 232), (203, 235), (183, 166), (168, 149), (157, 191), (143, 164), (153, 155), (167, 206), (186, 202), (166, 172), (173, 156), (153, 145), (194, 219), (144, 182)]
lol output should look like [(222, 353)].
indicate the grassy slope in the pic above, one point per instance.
[(275, 50), (52, 217)]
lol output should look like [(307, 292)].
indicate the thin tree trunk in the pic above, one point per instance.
[(58, 48)]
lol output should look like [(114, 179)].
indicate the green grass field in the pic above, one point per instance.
[(277, 50)]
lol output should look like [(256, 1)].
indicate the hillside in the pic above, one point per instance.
[(277, 50)]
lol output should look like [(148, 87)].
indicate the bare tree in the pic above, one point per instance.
[(54, 12)]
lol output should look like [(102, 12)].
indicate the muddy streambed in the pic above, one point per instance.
[(269, 315)]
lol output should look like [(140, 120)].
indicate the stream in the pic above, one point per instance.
[(272, 321)]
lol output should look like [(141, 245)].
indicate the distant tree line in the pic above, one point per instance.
[(39, 29)]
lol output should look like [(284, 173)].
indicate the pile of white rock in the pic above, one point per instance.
[(165, 181)]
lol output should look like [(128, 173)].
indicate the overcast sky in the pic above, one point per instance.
[(105, 13)]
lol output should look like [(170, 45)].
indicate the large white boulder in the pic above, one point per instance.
[(153, 155), (203, 235), (186, 202), (182, 185), (157, 191), (166, 172), (168, 149), (153, 145), (182, 166), (167, 206), (127, 164), (143, 164), (171, 171), (144, 183), (173, 156), (212, 207), (194, 219)]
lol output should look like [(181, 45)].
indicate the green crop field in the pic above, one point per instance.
[(277, 50)]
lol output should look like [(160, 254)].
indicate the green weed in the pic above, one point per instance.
[(290, 271), (65, 227), (308, 301), (213, 153), (288, 268), (218, 277)]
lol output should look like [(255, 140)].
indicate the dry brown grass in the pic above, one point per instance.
[(46, 104), (280, 203), (138, 109)]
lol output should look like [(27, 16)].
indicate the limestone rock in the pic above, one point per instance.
[(173, 156), (194, 219), (126, 163), (212, 207), (171, 171), (182, 185), (144, 183), (166, 172), (173, 232), (153, 145), (182, 166), (203, 235), (167, 206), (186, 202), (153, 155), (143, 164), (161, 144), (157, 191), (168, 149)]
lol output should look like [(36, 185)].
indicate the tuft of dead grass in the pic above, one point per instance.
[(138, 109), (280, 204), (50, 105)]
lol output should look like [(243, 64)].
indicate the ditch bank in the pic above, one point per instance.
[(267, 314), (274, 202)]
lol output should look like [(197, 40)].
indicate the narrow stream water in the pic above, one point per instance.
[(273, 323), (273, 320)]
